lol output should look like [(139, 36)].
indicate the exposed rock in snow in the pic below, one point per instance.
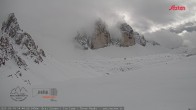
[(15, 44), (98, 39), (127, 35), (151, 42), (7, 52), (125, 28), (82, 39), (131, 37), (139, 38), (101, 36), (11, 26)]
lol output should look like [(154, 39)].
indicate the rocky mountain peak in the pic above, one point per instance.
[(100, 27), (11, 26), (125, 28), (16, 44)]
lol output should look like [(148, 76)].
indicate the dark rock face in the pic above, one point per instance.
[(5, 48), (98, 39), (127, 35), (11, 26), (131, 37), (83, 40), (126, 29), (139, 39), (13, 37), (41, 51), (101, 37), (7, 52)]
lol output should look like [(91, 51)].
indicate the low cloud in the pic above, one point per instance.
[(166, 38), (189, 39)]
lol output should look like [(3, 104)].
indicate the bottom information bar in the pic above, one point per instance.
[(61, 108)]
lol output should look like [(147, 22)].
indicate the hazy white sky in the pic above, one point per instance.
[(143, 15)]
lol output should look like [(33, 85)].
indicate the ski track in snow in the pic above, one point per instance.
[(116, 65)]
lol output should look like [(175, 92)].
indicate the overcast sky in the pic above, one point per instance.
[(50, 17)]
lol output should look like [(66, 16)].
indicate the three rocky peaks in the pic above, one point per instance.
[(101, 37)]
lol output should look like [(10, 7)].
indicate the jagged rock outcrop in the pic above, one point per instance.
[(98, 39), (139, 39), (15, 44), (130, 37), (101, 37), (5, 49), (11, 26), (127, 35), (7, 52), (82, 39)]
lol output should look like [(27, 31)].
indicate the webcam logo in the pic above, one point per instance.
[(18, 94)]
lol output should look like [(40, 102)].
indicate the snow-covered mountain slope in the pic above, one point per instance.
[(136, 77), (17, 50), (157, 81)]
